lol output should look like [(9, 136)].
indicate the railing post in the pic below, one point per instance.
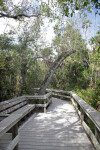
[(97, 134), (82, 115), (75, 104), (14, 134), (44, 105)]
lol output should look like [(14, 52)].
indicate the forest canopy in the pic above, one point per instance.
[(30, 57)]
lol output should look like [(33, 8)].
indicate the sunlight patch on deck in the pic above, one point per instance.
[(58, 129)]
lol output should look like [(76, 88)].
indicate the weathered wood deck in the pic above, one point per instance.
[(58, 129)]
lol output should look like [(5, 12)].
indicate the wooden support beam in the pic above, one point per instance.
[(13, 144), (14, 134), (82, 115), (91, 135)]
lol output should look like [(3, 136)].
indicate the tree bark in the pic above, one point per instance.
[(23, 75), (18, 16), (53, 69)]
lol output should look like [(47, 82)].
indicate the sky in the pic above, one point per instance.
[(92, 30), (47, 31), (95, 20), (86, 34)]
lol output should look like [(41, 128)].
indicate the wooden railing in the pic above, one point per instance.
[(56, 93), (10, 123), (60, 94), (90, 118), (40, 101), (12, 111)]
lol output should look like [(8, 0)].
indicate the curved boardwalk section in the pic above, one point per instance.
[(58, 129)]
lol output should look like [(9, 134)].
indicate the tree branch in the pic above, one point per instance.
[(18, 15), (52, 70)]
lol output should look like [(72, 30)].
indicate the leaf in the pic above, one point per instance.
[(77, 8), (85, 3), (57, 85), (71, 14), (66, 11)]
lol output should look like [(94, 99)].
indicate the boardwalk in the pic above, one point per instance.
[(58, 129)]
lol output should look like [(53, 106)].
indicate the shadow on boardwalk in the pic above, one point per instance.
[(58, 129)]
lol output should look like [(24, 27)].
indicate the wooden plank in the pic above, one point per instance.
[(6, 136), (11, 100), (8, 123), (24, 110), (61, 96), (40, 97), (7, 104), (91, 135), (14, 118), (43, 105), (49, 102), (3, 116), (90, 111), (58, 129), (58, 91), (35, 97), (13, 143), (13, 104), (48, 95), (54, 90), (10, 110)]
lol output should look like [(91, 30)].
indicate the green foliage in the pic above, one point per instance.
[(2, 5), (8, 74), (86, 95), (76, 76), (70, 38), (96, 95), (91, 96), (46, 52), (95, 41), (48, 8), (75, 72), (90, 123), (20, 73), (70, 6), (72, 76), (57, 85), (34, 76), (79, 72)]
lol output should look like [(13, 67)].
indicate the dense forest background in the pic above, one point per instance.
[(25, 58)]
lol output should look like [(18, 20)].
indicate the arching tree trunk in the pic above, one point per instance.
[(53, 69)]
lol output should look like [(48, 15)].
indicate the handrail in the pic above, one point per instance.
[(58, 91), (85, 112), (41, 100), (45, 100), (38, 96), (10, 121), (53, 90), (93, 114)]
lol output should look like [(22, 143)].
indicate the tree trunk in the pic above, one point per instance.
[(53, 69), (23, 75)]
